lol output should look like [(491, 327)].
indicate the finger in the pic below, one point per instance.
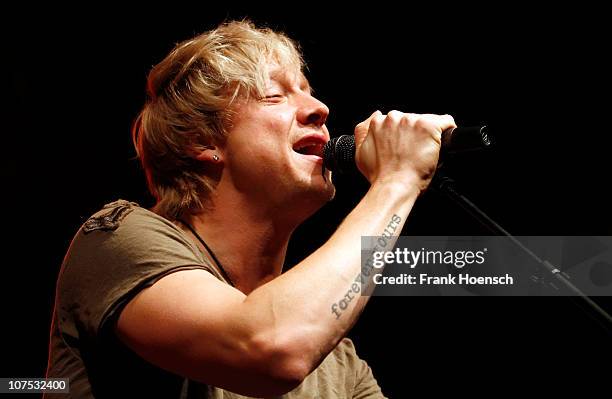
[(444, 122), (367, 121), (361, 130), (448, 122)]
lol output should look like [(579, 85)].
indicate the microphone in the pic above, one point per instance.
[(339, 152)]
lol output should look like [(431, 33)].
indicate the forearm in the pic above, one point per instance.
[(315, 303)]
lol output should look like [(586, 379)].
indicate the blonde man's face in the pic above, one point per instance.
[(273, 148)]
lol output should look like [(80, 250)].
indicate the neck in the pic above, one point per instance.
[(250, 244)]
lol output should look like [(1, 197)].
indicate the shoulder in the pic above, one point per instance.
[(359, 374), (116, 253), (111, 215), (122, 217), (345, 347), (342, 374), (123, 238), (342, 361), (123, 227)]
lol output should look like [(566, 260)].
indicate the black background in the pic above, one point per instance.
[(537, 77)]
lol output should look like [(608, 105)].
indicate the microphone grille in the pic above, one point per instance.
[(339, 154)]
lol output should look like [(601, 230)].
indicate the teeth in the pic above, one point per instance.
[(309, 148)]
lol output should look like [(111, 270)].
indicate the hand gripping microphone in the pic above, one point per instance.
[(339, 152)]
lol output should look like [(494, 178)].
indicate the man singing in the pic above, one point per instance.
[(187, 299)]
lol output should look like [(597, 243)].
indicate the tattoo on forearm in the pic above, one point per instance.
[(384, 241)]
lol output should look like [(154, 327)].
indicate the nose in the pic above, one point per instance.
[(312, 111)]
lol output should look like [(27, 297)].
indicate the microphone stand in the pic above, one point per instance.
[(338, 155), (446, 185)]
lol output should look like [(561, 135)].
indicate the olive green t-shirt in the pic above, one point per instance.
[(119, 251)]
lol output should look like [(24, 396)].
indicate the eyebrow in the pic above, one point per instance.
[(280, 76)]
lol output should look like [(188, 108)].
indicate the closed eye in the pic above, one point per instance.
[(273, 98)]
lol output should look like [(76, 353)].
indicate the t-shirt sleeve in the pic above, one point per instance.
[(365, 385), (117, 253)]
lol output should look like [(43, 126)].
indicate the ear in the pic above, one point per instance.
[(209, 154)]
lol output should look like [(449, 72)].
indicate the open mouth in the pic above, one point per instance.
[(310, 145)]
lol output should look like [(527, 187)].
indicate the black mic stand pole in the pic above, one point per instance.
[(445, 185)]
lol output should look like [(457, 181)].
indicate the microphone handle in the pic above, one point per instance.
[(339, 152), (462, 139)]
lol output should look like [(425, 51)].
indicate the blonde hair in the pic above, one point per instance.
[(189, 95)]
